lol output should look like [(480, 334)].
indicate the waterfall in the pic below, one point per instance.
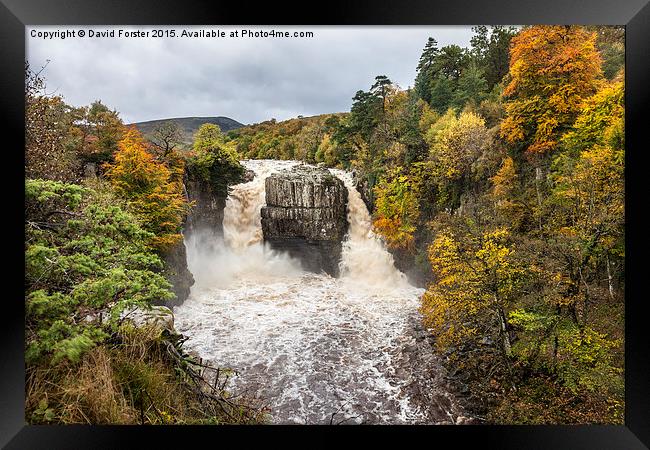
[(316, 348), (365, 259), (241, 253)]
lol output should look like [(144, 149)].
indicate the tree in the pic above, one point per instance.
[(397, 209), (553, 69), (97, 130), (477, 280), (505, 190), (365, 113), (472, 87), (149, 187), (598, 114), (84, 254), (455, 143), (214, 160), (610, 41), (48, 153), (447, 68), (425, 70), (166, 137), (441, 92), (381, 88), (491, 50)]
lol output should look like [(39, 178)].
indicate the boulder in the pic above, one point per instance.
[(159, 316), (305, 215)]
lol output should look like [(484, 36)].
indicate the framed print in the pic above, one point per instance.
[(398, 219)]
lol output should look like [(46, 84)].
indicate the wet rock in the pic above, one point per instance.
[(178, 274), (207, 209), (305, 215), (248, 176)]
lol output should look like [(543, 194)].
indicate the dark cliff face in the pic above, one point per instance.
[(178, 274), (209, 201), (362, 185), (206, 214), (305, 215), (207, 209)]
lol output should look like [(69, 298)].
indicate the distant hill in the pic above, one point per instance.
[(189, 125)]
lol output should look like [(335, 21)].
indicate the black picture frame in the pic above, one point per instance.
[(16, 14)]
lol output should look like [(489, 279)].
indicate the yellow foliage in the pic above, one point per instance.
[(504, 180), (454, 143), (397, 209), (476, 278)]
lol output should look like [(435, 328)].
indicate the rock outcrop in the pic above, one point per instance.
[(305, 215), (208, 202), (207, 209), (178, 274)]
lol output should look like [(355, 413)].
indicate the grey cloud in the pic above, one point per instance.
[(249, 80)]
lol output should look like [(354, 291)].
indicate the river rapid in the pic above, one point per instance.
[(317, 349)]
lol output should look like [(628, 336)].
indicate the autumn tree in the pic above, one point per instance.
[(553, 69), (455, 144), (477, 280), (97, 131), (48, 151), (588, 196), (149, 187), (397, 209), (508, 197)]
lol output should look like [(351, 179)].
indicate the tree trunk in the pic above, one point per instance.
[(610, 281), (507, 346), (538, 180)]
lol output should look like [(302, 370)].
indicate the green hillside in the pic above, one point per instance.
[(189, 125)]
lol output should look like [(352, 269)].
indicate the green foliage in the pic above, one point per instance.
[(214, 160), (84, 254), (491, 50)]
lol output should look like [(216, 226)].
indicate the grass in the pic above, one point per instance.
[(139, 376)]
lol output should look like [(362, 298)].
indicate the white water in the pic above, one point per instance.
[(313, 346)]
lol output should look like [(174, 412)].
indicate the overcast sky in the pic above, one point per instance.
[(246, 79)]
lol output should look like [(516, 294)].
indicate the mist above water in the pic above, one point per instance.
[(240, 254), (310, 344)]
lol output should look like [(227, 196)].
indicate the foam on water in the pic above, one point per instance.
[(317, 348)]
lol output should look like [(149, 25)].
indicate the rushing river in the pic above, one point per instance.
[(318, 349)]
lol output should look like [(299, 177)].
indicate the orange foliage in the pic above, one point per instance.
[(553, 69), (153, 190)]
